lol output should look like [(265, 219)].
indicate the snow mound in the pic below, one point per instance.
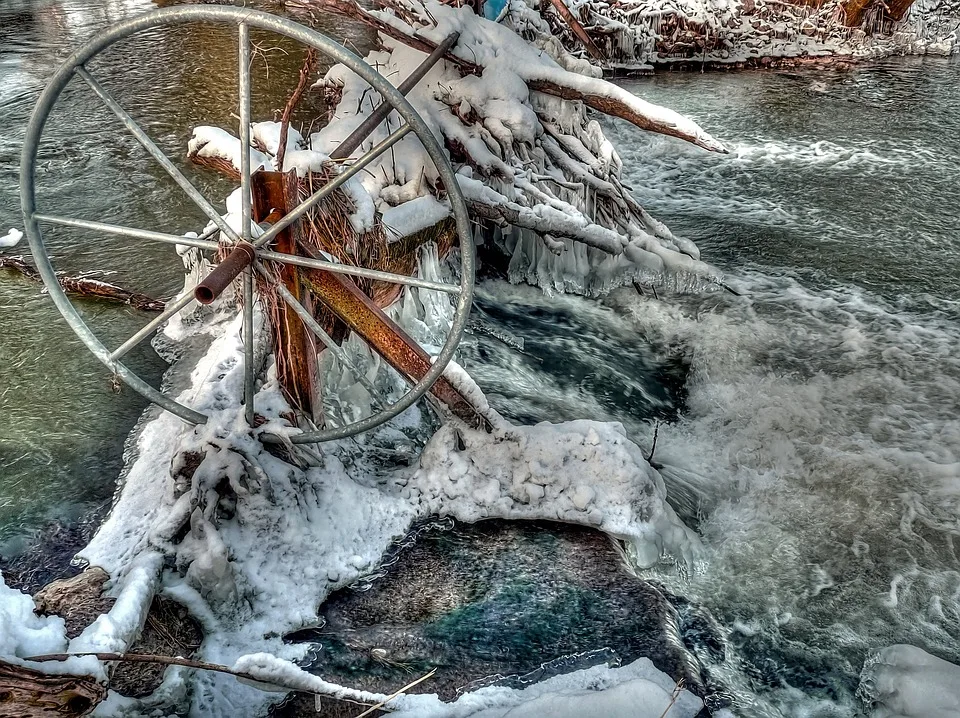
[(903, 681), (11, 238)]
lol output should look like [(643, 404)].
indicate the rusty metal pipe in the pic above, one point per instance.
[(229, 269)]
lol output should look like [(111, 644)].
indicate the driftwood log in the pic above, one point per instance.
[(85, 286), (26, 693)]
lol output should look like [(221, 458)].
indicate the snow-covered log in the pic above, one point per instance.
[(514, 111)]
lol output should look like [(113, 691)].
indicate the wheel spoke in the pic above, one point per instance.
[(248, 356), (244, 84), (122, 231), (332, 185), (322, 335), (142, 137), (243, 73), (150, 328), (359, 271)]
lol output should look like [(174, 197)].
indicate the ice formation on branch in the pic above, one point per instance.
[(512, 108)]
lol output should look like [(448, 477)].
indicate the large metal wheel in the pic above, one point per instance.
[(259, 247)]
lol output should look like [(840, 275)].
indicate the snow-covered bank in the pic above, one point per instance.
[(640, 34)]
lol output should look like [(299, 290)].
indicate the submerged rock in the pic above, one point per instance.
[(506, 603)]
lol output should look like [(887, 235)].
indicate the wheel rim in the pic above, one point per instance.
[(244, 19)]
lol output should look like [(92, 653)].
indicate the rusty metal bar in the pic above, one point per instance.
[(386, 337)]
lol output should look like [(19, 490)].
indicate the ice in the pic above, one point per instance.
[(238, 525), (24, 634), (637, 690), (584, 472), (903, 681), (636, 33), (11, 238), (533, 166), (215, 143)]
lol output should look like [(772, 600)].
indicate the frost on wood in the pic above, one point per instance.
[(636, 34), (511, 106)]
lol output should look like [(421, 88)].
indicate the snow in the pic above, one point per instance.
[(248, 519), (24, 634), (215, 143), (413, 216), (11, 238), (636, 33), (253, 540), (637, 690), (903, 681), (267, 135), (536, 168), (584, 472)]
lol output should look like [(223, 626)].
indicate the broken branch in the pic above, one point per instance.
[(86, 286)]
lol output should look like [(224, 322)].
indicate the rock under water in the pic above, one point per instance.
[(499, 602)]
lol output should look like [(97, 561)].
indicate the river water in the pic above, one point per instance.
[(811, 432)]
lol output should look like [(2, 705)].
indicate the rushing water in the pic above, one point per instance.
[(816, 442), (818, 450)]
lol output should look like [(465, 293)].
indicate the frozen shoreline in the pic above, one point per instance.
[(641, 35)]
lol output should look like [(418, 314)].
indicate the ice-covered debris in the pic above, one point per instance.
[(636, 33), (637, 690), (11, 238), (584, 472), (258, 542), (903, 681), (217, 144), (535, 167)]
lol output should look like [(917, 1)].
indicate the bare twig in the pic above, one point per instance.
[(306, 70), (653, 448), (677, 690), (190, 663), (389, 698)]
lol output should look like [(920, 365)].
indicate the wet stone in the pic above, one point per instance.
[(494, 602)]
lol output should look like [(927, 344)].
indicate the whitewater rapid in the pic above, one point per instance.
[(816, 445)]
